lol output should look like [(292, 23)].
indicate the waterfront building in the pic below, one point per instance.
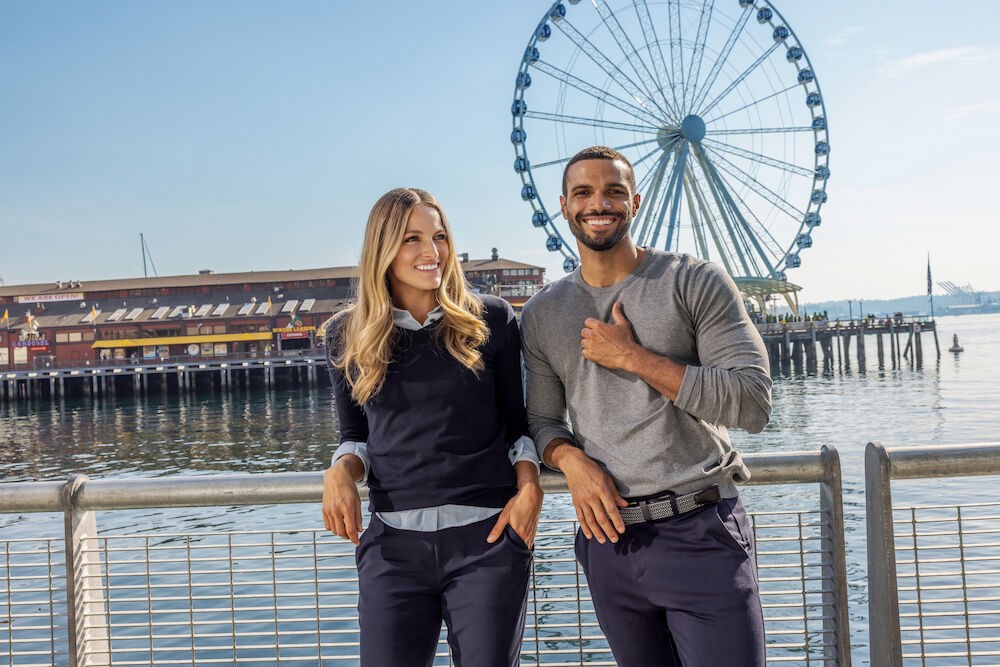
[(256, 313)]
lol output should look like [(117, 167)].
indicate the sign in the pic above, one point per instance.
[(4, 356), (294, 334), (193, 349), (285, 330), (49, 298), (33, 343)]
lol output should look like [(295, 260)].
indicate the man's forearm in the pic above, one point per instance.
[(661, 373)]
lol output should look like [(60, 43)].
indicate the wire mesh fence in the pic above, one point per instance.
[(948, 577), (290, 597)]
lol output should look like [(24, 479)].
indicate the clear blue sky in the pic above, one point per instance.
[(256, 135)]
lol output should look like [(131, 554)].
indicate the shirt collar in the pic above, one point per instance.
[(404, 320)]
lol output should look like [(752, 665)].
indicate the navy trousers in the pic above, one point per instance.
[(410, 581), (679, 592)]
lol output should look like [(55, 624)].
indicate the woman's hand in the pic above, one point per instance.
[(341, 500), (521, 512)]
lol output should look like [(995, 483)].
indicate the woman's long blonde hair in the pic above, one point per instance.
[(367, 332)]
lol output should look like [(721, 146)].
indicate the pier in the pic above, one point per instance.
[(802, 346), (177, 375)]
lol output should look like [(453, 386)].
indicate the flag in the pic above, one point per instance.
[(268, 304), (6, 315), (929, 283), (32, 324), (93, 313)]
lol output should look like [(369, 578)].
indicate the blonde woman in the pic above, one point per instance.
[(427, 383)]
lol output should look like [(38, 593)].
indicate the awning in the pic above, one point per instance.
[(181, 340)]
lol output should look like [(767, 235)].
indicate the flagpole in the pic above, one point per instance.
[(930, 285)]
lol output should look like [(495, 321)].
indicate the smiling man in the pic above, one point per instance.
[(651, 356)]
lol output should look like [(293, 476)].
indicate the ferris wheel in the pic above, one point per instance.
[(715, 104)]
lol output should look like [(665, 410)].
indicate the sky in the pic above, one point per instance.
[(250, 135)]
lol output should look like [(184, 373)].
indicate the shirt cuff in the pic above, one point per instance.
[(524, 449), (359, 449)]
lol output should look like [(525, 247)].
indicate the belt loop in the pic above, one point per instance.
[(644, 508)]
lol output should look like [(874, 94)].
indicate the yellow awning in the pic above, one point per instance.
[(181, 340)]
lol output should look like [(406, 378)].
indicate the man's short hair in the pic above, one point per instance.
[(600, 153)]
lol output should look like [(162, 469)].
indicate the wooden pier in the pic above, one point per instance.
[(801, 347), (141, 378)]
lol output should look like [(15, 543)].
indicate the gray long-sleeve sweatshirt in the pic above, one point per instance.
[(680, 307)]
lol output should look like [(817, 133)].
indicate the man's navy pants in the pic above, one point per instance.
[(410, 581), (679, 592)]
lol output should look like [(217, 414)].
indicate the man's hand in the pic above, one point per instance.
[(595, 496), (521, 513), (609, 345), (341, 500)]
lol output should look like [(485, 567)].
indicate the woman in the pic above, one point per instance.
[(427, 383)]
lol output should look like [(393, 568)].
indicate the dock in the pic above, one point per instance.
[(174, 375), (801, 347)]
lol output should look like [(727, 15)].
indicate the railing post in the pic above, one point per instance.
[(883, 594), (831, 502), (86, 621)]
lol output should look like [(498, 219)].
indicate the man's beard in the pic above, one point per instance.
[(600, 245)]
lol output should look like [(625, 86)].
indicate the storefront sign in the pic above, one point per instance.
[(294, 334), (49, 298), (33, 343), (285, 330), (4, 356)]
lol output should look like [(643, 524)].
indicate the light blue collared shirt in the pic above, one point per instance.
[(427, 519)]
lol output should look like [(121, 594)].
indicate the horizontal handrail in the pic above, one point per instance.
[(944, 460), (303, 487)]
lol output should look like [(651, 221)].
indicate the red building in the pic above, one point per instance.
[(256, 313)]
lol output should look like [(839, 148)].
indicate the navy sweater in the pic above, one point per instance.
[(436, 433)]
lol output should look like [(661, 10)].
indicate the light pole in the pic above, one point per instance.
[(850, 309)]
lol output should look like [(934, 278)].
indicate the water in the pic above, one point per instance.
[(948, 402)]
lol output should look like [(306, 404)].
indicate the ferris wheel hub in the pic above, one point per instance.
[(693, 128)]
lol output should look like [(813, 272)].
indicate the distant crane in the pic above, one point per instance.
[(965, 292)]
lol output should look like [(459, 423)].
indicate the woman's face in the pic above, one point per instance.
[(419, 262)]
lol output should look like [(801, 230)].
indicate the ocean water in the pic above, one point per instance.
[(949, 401)]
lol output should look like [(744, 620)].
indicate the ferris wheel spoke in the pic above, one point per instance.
[(621, 148), (760, 130), (780, 203), (754, 103), (741, 78), (736, 224), (621, 38), (652, 201), (720, 60), (764, 191), (757, 157), (774, 246), (672, 199), (698, 52), (693, 212), (612, 70), (595, 92), (708, 215), (654, 48), (653, 152), (676, 54), (744, 225), (593, 122)]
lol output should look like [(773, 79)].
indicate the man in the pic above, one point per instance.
[(653, 356)]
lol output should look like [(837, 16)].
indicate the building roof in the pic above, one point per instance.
[(498, 264), (195, 280)]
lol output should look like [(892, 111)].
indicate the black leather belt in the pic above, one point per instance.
[(668, 505)]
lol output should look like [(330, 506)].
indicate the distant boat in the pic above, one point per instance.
[(955, 347)]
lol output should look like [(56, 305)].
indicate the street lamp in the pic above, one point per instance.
[(850, 309)]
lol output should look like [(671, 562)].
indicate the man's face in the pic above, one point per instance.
[(599, 203)]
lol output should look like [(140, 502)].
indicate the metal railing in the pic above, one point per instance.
[(933, 570), (289, 596)]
